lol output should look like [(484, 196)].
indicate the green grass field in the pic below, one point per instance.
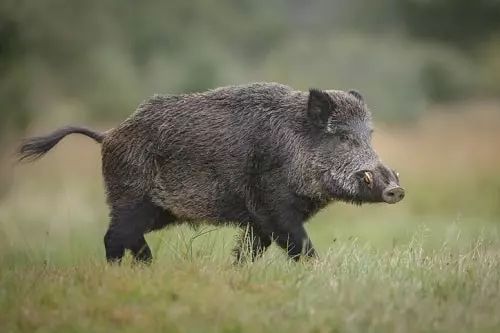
[(428, 264)]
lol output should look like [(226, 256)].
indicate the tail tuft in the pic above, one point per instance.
[(35, 147)]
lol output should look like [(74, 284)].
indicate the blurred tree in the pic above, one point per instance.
[(464, 23)]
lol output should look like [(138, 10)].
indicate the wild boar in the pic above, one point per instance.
[(262, 156)]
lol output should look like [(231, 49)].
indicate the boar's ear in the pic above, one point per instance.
[(319, 107), (357, 95)]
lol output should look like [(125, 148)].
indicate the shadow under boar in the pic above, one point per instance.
[(261, 156)]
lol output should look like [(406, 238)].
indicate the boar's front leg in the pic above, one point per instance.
[(286, 227), (294, 240)]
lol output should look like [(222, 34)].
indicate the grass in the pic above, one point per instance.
[(353, 288), (428, 264)]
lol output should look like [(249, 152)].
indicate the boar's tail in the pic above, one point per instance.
[(35, 147)]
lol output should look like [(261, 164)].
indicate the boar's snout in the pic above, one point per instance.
[(393, 194), (380, 184)]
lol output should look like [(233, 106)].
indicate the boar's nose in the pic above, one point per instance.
[(393, 194)]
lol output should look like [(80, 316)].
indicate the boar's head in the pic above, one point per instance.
[(345, 165)]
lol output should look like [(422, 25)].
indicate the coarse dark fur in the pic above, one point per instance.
[(261, 156)]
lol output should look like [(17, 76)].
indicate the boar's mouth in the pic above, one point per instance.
[(344, 189), (364, 186), (381, 189)]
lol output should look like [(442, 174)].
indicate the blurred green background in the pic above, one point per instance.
[(101, 58), (429, 70)]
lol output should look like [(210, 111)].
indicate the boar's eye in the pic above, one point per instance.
[(343, 138), (346, 137)]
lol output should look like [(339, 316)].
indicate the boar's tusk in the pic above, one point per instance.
[(368, 178)]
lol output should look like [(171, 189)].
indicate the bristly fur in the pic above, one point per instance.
[(261, 156)]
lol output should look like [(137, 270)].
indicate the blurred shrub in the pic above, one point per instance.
[(398, 78), (489, 54), (447, 75)]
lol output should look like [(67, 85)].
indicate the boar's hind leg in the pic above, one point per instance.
[(127, 228), (252, 244)]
